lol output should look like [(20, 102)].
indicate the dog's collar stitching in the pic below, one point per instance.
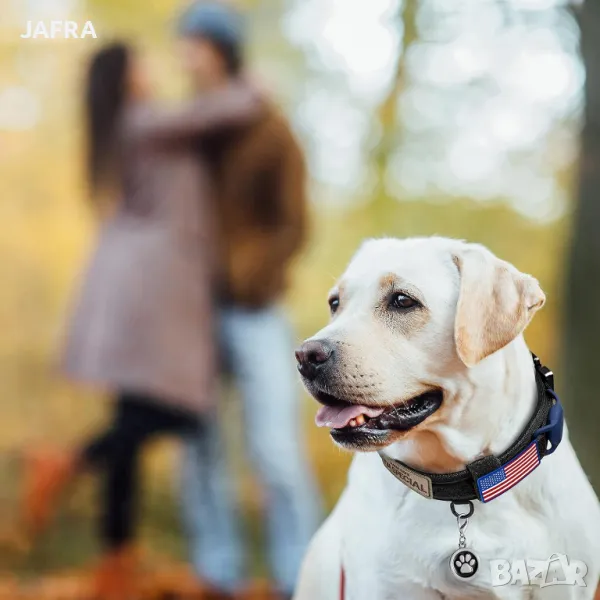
[(544, 428)]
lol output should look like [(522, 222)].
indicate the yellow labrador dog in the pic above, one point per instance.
[(424, 372)]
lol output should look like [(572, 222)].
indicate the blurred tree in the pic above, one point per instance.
[(582, 305), (388, 110), (388, 118)]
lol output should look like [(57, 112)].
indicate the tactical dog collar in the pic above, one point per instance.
[(490, 476)]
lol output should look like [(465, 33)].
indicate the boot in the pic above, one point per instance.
[(116, 576), (47, 473)]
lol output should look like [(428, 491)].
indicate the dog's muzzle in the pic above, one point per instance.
[(317, 365)]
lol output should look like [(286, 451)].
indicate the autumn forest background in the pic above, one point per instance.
[(466, 118)]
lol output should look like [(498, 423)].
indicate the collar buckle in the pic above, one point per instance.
[(553, 430)]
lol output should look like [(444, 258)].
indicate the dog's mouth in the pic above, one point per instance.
[(349, 422)]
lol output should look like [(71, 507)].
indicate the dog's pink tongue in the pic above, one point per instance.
[(337, 418)]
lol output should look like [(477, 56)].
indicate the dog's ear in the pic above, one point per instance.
[(495, 303)]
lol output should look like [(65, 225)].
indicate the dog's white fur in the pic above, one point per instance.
[(393, 543)]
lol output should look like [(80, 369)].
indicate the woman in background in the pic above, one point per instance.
[(142, 324)]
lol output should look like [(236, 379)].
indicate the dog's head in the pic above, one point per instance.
[(409, 319)]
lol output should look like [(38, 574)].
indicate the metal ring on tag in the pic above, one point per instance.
[(464, 563), (465, 503)]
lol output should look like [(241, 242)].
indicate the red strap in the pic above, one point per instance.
[(342, 583)]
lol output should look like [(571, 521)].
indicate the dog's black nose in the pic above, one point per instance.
[(311, 356)]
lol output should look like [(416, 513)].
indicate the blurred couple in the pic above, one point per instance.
[(208, 208)]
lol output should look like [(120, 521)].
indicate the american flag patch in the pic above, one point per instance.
[(497, 482)]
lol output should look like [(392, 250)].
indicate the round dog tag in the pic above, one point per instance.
[(464, 563)]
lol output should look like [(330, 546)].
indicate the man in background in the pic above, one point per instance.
[(260, 180)]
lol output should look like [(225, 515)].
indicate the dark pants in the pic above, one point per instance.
[(137, 418)]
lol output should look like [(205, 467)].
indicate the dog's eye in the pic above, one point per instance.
[(401, 301), (334, 304)]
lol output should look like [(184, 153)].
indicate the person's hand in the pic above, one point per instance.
[(257, 84)]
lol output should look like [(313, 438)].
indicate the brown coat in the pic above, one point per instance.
[(143, 318), (261, 207)]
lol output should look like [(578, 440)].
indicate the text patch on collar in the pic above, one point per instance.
[(501, 480), (415, 481)]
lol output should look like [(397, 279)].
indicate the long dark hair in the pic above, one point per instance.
[(105, 96)]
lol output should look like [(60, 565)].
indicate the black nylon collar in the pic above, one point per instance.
[(461, 486)]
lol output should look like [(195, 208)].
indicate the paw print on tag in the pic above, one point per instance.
[(464, 564)]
